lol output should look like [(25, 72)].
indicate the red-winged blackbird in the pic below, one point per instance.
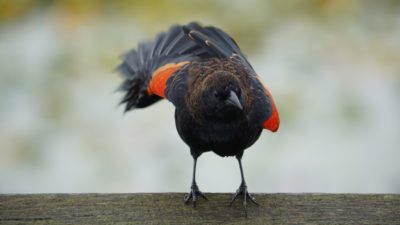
[(221, 104)]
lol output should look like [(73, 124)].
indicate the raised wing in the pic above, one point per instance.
[(154, 70), (146, 69)]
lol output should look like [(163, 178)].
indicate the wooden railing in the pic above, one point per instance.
[(168, 208)]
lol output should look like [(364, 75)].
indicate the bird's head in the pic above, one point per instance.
[(221, 97)]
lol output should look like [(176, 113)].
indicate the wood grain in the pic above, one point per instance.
[(168, 208)]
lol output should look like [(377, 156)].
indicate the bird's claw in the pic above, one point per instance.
[(193, 194), (242, 190)]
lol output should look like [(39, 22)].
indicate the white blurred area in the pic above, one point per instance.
[(334, 74)]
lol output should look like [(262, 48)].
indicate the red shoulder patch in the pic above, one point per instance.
[(271, 123), (159, 78)]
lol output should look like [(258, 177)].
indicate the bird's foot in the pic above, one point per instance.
[(193, 194), (242, 190)]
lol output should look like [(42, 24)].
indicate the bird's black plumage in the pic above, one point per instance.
[(221, 105), (204, 121)]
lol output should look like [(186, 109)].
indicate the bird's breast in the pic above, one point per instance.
[(224, 138)]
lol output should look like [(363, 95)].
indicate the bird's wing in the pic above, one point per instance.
[(146, 69), (272, 122), (154, 71), (216, 42)]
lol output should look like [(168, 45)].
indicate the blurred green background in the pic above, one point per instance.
[(333, 67)]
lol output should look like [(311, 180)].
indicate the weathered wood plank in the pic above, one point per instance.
[(168, 208)]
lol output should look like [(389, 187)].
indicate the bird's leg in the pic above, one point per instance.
[(194, 189), (242, 190)]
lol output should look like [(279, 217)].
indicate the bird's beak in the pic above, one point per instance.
[(234, 100)]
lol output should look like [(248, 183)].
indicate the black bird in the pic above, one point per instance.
[(221, 104)]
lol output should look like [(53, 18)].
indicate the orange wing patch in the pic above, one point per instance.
[(160, 76), (272, 123)]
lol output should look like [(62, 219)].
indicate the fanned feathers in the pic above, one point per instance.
[(138, 65), (178, 44), (147, 70)]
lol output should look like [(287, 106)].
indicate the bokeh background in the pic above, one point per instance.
[(333, 67)]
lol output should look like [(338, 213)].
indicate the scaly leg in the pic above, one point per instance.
[(242, 190), (194, 189)]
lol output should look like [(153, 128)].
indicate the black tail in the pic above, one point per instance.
[(138, 65)]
